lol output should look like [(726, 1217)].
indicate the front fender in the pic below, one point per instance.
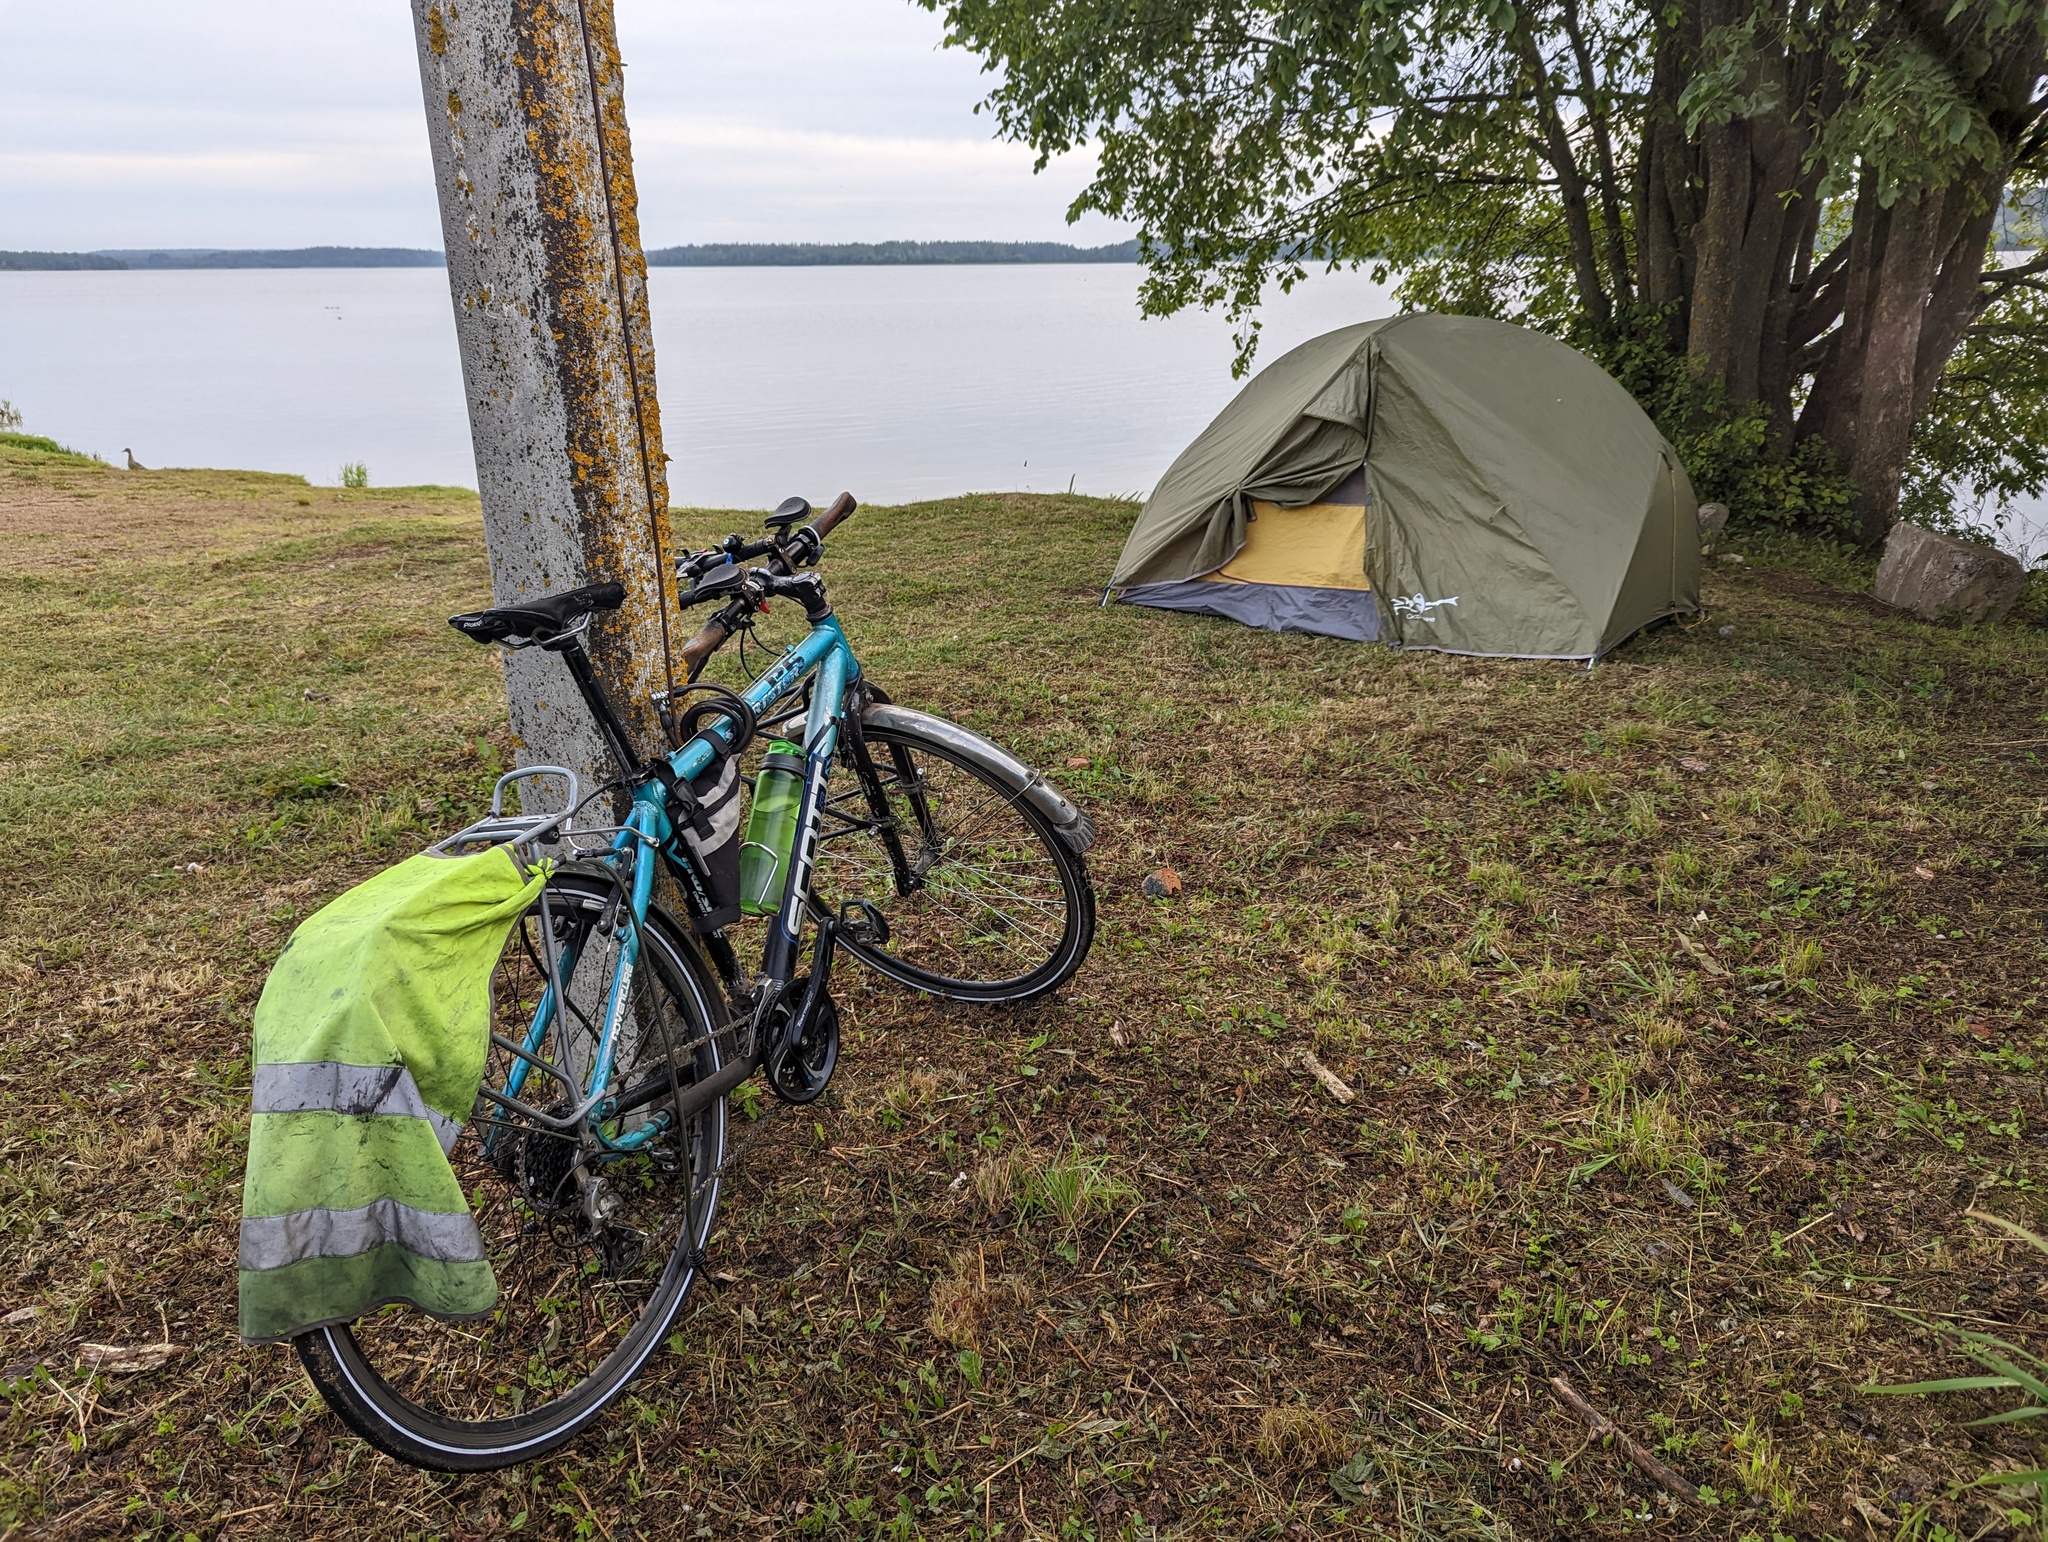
[(1074, 828)]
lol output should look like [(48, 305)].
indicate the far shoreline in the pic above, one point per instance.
[(767, 254)]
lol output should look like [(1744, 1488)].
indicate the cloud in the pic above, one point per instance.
[(234, 170), (244, 123), (726, 179)]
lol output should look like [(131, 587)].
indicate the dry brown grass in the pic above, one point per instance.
[(969, 1302), (1294, 1437), (1473, 888)]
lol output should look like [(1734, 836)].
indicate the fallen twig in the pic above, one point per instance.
[(1120, 1225), (1336, 1086), (1601, 1425), (1060, 1334), (1170, 1398)]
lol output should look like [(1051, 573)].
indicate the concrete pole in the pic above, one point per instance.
[(526, 114)]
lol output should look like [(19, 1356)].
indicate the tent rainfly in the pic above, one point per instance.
[(1441, 482)]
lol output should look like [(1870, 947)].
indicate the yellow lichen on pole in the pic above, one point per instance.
[(533, 163)]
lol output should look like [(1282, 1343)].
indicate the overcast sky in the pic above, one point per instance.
[(132, 123)]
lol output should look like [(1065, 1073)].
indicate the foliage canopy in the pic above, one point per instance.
[(1794, 198)]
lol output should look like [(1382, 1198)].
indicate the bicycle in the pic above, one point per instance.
[(595, 1158)]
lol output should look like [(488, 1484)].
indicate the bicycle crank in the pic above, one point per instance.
[(803, 1028)]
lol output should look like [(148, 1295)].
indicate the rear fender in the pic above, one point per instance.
[(1074, 828)]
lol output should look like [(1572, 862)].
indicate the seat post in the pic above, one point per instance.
[(616, 739)]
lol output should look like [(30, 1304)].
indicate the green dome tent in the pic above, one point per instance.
[(1441, 482)]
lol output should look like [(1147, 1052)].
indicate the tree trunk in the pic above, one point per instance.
[(1559, 152), (1958, 297), (1593, 97), (1837, 394), (1665, 209), (1884, 424), (1757, 230)]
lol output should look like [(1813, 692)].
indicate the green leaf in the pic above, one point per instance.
[(2030, 1412), (1356, 1479), (2038, 1475), (1953, 1384), (2032, 1383), (2033, 1239)]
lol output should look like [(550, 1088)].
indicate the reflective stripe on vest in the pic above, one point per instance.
[(272, 1241), (327, 1086)]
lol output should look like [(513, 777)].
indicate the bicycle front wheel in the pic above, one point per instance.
[(594, 1236), (982, 899)]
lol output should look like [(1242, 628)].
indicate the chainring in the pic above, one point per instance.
[(800, 1072)]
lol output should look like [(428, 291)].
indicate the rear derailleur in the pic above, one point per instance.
[(557, 1179)]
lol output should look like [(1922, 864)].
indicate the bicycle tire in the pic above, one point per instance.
[(1026, 904), (469, 1430)]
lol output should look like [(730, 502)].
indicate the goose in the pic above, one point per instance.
[(133, 463)]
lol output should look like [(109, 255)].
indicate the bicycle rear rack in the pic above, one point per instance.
[(520, 831)]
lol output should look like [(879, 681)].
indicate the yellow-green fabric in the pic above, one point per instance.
[(1518, 500), (370, 1042), (1314, 545)]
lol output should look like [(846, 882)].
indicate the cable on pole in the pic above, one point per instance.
[(654, 515)]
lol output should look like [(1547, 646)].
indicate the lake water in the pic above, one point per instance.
[(898, 383)]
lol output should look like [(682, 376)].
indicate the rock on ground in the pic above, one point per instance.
[(1938, 576)]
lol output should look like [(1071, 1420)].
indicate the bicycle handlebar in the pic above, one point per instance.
[(698, 650), (809, 544), (841, 510)]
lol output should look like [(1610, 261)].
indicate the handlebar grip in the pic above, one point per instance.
[(707, 642), (842, 508)]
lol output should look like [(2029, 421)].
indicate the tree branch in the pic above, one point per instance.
[(1603, 152)]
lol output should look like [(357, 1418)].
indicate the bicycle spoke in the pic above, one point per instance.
[(991, 901), (568, 1292)]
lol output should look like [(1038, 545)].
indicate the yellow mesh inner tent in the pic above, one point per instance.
[(1316, 546)]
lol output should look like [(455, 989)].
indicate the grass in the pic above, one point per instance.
[(48, 449), (1757, 919)]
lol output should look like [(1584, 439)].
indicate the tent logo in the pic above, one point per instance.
[(1415, 605)]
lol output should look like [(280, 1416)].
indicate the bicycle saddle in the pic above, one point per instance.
[(538, 619)]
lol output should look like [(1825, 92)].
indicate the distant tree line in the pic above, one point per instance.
[(727, 255), (884, 254), (295, 257), (56, 262)]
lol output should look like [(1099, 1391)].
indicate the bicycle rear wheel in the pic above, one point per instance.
[(589, 1276), (982, 898)]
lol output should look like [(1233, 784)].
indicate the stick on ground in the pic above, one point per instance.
[(1600, 1424), (1337, 1087)]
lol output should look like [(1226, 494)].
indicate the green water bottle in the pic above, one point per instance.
[(771, 828)]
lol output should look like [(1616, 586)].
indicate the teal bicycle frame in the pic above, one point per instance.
[(649, 830)]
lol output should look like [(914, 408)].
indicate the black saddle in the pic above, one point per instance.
[(538, 620)]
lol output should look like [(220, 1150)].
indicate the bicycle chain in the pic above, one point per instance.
[(698, 1257)]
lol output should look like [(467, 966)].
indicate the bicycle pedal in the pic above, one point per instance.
[(864, 924)]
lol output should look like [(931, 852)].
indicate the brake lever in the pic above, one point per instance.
[(694, 565)]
